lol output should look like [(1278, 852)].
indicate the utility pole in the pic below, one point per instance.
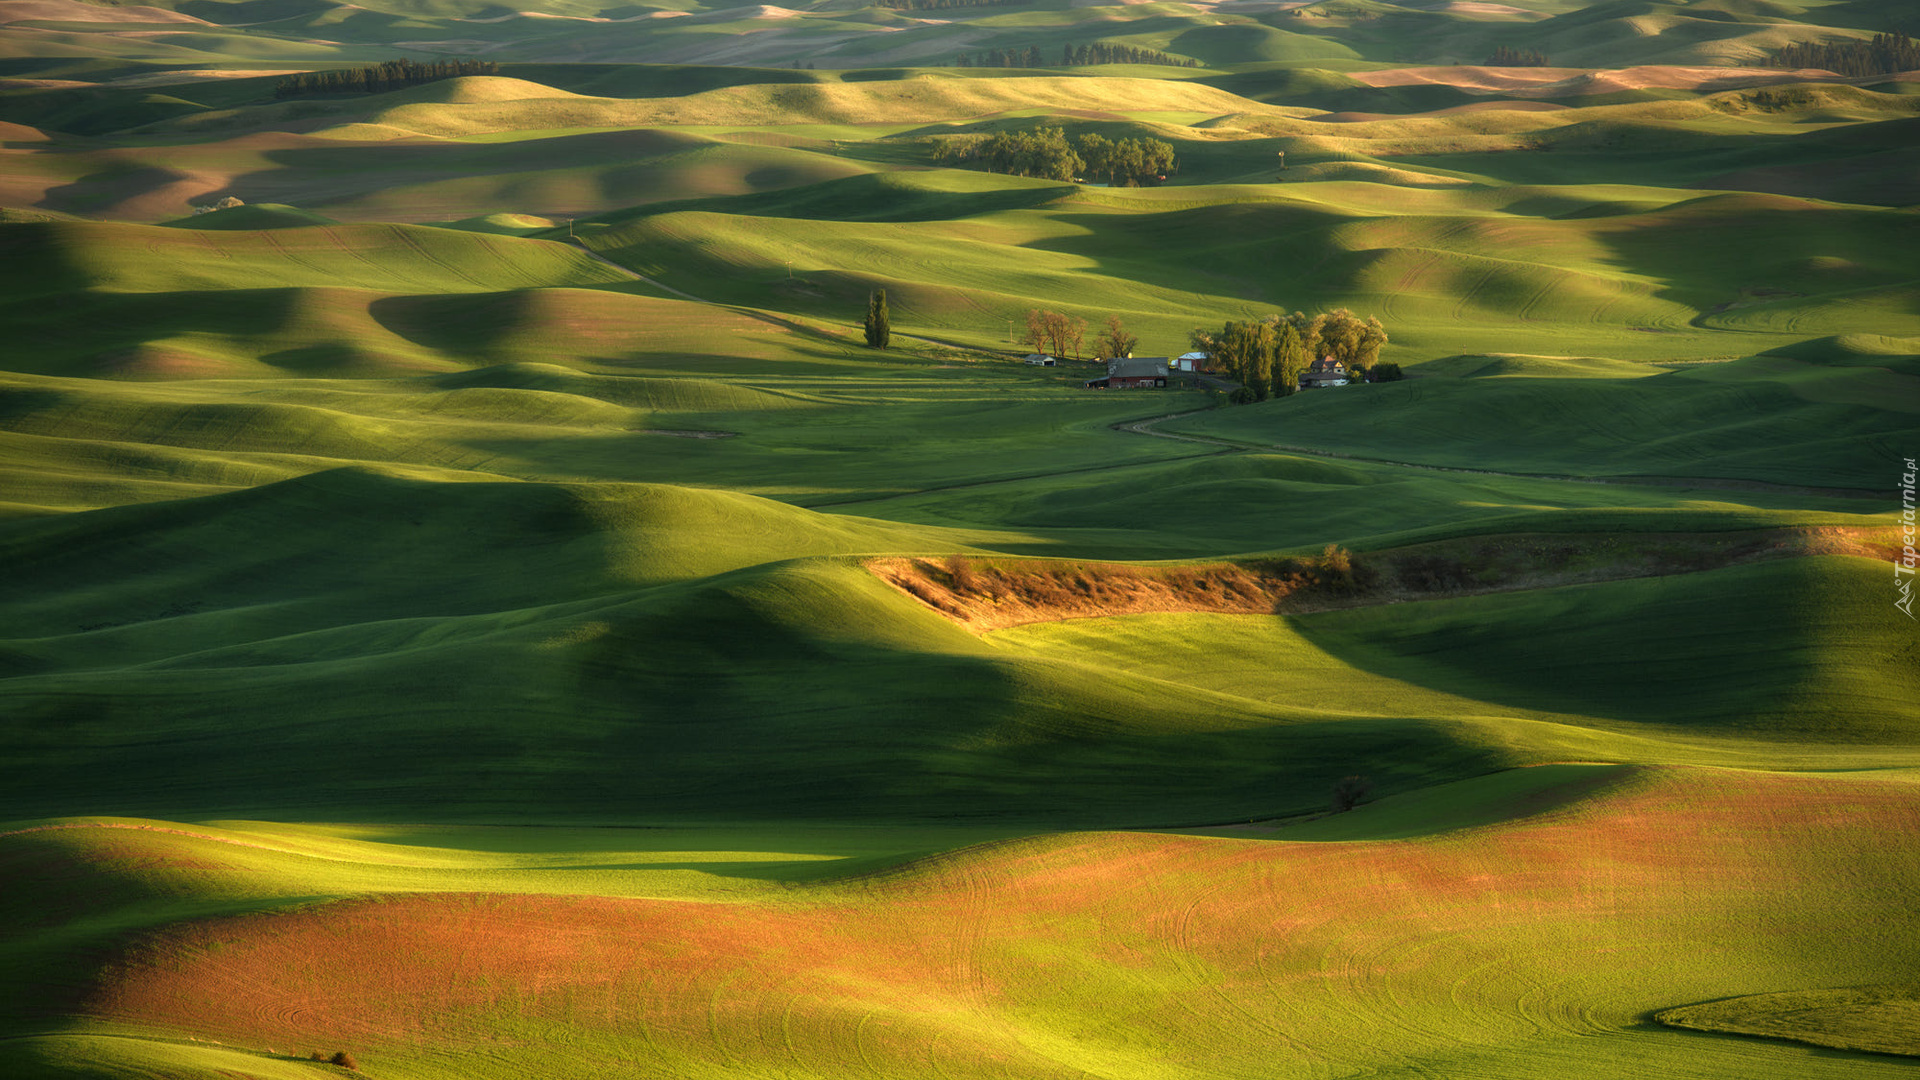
[(569, 228)]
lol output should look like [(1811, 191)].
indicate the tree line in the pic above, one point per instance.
[(1268, 356), (1099, 52), (1047, 153), (1063, 336), (1884, 55), (379, 78), (1505, 56)]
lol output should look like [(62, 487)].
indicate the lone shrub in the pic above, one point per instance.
[(344, 1060), (1349, 792), (1336, 567), (960, 572)]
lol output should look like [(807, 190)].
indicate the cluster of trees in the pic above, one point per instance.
[(1884, 55), (1046, 153), (1028, 57), (1267, 356), (1043, 152), (1128, 162), (1055, 334), (380, 78), (1063, 335), (1099, 52), (1505, 56)]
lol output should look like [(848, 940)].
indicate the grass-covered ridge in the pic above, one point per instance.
[(1873, 1018), (480, 607), (1495, 915)]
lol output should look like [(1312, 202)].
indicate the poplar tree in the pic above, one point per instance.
[(879, 331), (1289, 359)]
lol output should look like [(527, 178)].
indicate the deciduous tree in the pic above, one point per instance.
[(1202, 340), (1342, 335), (1114, 340), (1349, 792)]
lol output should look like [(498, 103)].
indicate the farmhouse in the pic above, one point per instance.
[(1039, 359), (1325, 371), (1132, 373)]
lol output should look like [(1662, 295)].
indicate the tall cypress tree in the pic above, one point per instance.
[(879, 330)]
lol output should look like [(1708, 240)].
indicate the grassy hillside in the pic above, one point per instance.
[(1558, 920), (511, 465), (839, 36), (1820, 421), (1872, 1018), (559, 685)]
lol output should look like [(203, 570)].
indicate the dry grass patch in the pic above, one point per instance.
[(994, 594)]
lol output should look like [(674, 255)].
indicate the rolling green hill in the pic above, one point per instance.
[(703, 952), (511, 465), (1763, 418)]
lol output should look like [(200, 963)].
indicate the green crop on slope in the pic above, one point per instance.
[(532, 596), (1761, 418), (1879, 1019), (632, 626), (59, 257), (1593, 895)]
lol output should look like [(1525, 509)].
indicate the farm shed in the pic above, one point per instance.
[(1132, 373)]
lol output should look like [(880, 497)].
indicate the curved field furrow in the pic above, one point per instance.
[(292, 254)]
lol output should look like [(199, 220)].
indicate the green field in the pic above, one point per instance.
[(480, 607)]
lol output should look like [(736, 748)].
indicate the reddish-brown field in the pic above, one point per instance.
[(1663, 886)]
